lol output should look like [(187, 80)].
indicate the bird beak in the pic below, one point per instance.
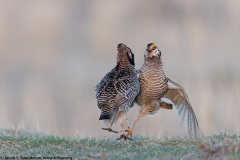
[(149, 53)]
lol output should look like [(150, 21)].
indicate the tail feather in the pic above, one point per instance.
[(104, 116)]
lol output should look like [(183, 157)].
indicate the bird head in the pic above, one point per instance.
[(152, 51), (124, 52)]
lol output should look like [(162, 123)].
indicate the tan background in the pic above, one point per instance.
[(53, 53)]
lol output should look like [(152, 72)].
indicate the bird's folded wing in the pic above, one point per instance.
[(127, 90), (104, 82), (178, 96)]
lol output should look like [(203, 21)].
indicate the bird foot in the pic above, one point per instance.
[(110, 130), (129, 134), (165, 105), (125, 137)]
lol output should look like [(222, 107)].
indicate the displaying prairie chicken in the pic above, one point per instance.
[(117, 90), (155, 85)]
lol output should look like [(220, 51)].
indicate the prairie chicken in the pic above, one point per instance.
[(155, 85), (117, 90)]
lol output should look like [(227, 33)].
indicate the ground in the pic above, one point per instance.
[(27, 145)]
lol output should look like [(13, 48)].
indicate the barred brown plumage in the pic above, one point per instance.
[(117, 90), (155, 85)]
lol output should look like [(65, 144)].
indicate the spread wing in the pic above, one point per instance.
[(104, 82), (127, 88), (178, 96)]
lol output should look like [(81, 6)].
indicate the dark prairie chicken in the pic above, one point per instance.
[(155, 85), (117, 90)]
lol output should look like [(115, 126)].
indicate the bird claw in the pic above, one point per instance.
[(110, 130), (125, 137), (129, 132)]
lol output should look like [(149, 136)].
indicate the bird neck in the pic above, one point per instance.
[(155, 63), (123, 63)]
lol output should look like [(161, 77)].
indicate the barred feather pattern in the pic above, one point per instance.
[(106, 93), (118, 89), (153, 84), (127, 87)]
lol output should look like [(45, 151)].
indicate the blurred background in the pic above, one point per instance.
[(53, 53)]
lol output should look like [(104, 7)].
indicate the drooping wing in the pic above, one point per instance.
[(127, 88), (178, 96), (104, 82)]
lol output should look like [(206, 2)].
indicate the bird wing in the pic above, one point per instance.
[(105, 81), (127, 88), (178, 96)]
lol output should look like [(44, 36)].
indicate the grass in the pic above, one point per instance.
[(27, 145)]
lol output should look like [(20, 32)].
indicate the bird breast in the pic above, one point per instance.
[(153, 82)]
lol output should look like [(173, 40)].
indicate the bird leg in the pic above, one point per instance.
[(142, 113), (123, 121), (109, 129), (125, 137), (165, 105)]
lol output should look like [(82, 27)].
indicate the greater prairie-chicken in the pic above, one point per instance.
[(155, 85), (117, 90)]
